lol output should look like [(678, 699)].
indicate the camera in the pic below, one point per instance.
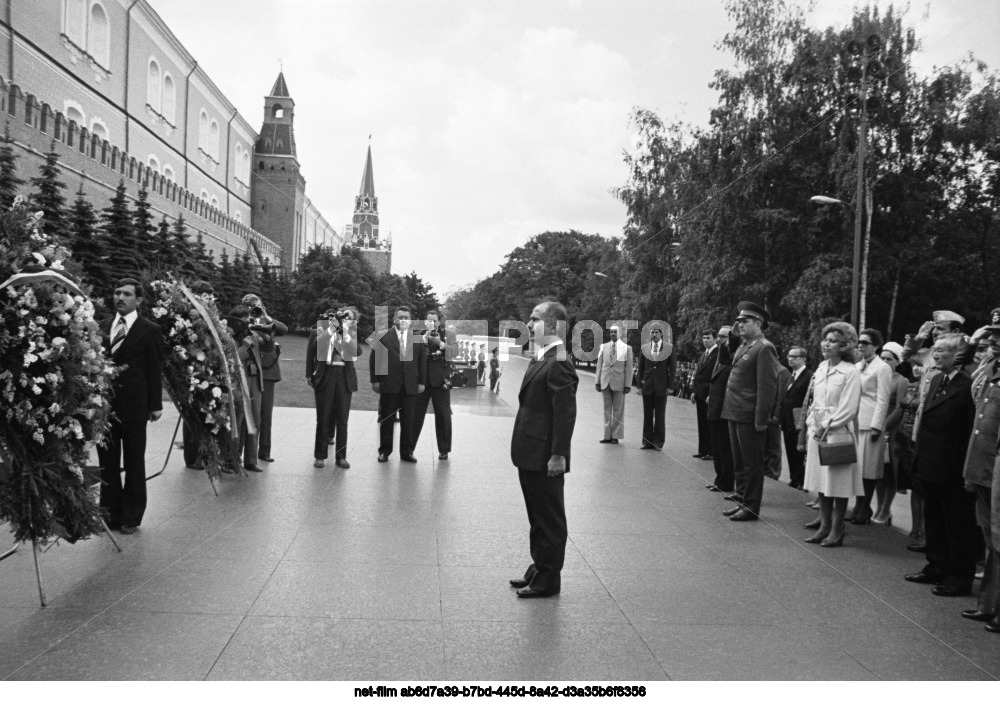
[(342, 316), (256, 312)]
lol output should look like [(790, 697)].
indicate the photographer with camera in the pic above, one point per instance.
[(266, 329), (330, 357), (438, 389)]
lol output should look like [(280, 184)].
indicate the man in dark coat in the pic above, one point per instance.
[(438, 390), (398, 372), (330, 356), (267, 329), (540, 449), (655, 379), (794, 398), (699, 392), (954, 542), (722, 449), (748, 408), (132, 343)]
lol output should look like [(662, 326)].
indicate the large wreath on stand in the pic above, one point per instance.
[(55, 385), (202, 374)]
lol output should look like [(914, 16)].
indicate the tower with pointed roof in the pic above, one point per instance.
[(363, 228), (278, 187)]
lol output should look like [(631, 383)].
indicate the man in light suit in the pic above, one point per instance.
[(748, 408), (132, 343), (398, 372), (657, 367), (699, 392), (540, 449), (614, 377), (330, 356)]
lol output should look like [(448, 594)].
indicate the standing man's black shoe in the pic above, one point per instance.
[(916, 548), (733, 511), (343, 464), (382, 457), (408, 458), (265, 458), (529, 593), (976, 615), (923, 578), (520, 583)]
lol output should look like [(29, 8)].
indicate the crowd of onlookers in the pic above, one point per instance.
[(875, 419)]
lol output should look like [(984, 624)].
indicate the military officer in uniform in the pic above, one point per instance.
[(748, 407)]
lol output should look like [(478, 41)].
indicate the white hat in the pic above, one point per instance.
[(945, 315), (895, 349)]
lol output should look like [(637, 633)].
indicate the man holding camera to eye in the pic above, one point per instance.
[(330, 371), (266, 329)]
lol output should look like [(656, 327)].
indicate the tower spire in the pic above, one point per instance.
[(368, 177)]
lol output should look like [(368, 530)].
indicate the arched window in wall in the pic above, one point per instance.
[(238, 163), (99, 129), (154, 85), (74, 113), (153, 163), (169, 98), (75, 21), (238, 217), (246, 167), (203, 131), (214, 201), (213, 140), (203, 195), (168, 174), (278, 112), (99, 35)]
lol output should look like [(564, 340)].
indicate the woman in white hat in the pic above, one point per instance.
[(885, 490)]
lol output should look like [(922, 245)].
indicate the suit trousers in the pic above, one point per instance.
[(190, 445), (333, 407), (126, 447), (772, 451), (989, 590), (704, 432), (543, 499), (954, 541), (248, 441), (722, 454), (748, 463), (440, 397), (266, 410), (796, 458), (388, 405), (654, 410), (614, 416)]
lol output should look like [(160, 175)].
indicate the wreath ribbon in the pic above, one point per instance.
[(21, 279)]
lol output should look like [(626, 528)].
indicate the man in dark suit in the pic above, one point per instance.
[(330, 355), (438, 390), (267, 329), (398, 372), (248, 352), (748, 408), (133, 343), (954, 542), (699, 392), (655, 378), (540, 449), (791, 409), (722, 450), (772, 439)]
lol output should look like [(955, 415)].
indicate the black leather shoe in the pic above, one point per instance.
[(265, 459), (706, 457), (744, 515), (713, 488), (812, 525), (734, 497), (407, 458), (923, 578), (529, 593), (253, 468), (614, 441), (697, 455), (732, 512), (606, 440), (916, 548), (520, 583), (194, 467), (343, 464), (382, 457), (976, 615), (993, 626), (129, 530), (442, 456), (948, 590)]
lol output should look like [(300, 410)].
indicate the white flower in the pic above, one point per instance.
[(216, 392)]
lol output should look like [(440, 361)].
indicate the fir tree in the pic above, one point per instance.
[(9, 182), (164, 259), (184, 252), (119, 232), (145, 232), (89, 247), (49, 197), (227, 287), (202, 264)]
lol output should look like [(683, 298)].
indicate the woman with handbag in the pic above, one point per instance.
[(832, 467)]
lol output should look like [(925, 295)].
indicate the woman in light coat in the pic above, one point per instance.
[(833, 416), (876, 388)]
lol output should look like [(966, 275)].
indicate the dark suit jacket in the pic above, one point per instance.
[(139, 386), (388, 369), (979, 462), (794, 398), (720, 378), (546, 413), (703, 374), (944, 429), (781, 381), (249, 355), (269, 353), (437, 359), (751, 392), (316, 369), (656, 375)]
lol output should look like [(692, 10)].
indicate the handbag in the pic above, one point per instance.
[(837, 453)]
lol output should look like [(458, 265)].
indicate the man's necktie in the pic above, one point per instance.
[(944, 387), (119, 336), (402, 346), (656, 348)]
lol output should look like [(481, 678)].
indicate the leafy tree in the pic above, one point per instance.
[(9, 182), (48, 196)]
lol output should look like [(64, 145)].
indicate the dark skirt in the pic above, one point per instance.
[(903, 454)]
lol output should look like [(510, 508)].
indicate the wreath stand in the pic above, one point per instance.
[(170, 449)]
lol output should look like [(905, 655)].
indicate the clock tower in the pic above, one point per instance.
[(364, 225)]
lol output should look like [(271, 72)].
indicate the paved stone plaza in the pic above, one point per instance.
[(398, 572)]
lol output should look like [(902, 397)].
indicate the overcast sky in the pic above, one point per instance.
[(491, 121)]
